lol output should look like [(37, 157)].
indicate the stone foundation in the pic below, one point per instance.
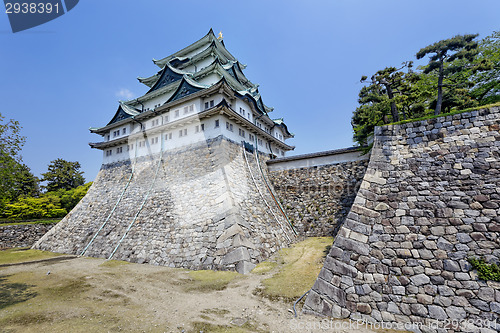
[(317, 198), (22, 235), (430, 199), (203, 212)]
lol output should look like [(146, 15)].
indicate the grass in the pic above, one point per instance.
[(218, 312), (113, 263), (200, 326), (13, 293), (205, 280), (264, 267), (22, 254), (93, 295), (432, 116), (43, 221), (300, 266), (61, 302)]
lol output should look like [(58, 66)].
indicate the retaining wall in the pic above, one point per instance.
[(317, 190), (429, 200), (203, 211), (22, 235)]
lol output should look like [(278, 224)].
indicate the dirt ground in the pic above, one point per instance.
[(94, 295)]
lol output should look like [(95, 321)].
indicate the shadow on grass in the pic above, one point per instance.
[(13, 293)]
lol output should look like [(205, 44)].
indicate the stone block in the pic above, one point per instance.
[(244, 267), (420, 279), (238, 254)]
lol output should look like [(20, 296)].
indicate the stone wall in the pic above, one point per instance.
[(198, 207), (22, 235), (429, 200), (317, 198)]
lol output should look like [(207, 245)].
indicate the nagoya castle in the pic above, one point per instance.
[(183, 181)]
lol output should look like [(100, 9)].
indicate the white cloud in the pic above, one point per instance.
[(124, 93)]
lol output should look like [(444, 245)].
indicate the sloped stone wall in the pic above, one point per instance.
[(317, 198), (203, 212), (429, 200), (22, 235)]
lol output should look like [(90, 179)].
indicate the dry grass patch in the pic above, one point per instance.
[(205, 280), (264, 267), (23, 254), (113, 263), (299, 269)]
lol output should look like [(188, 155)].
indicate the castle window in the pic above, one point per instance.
[(154, 141), (241, 132), (202, 127), (259, 141), (109, 152), (251, 137), (191, 108), (176, 113), (206, 105), (229, 126), (124, 131), (216, 123), (282, 153), (186, 110), (108, 137), (166, 118), (211, 103), (119, 150)]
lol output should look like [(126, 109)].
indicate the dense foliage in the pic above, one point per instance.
[(485, 271), (47, 205), (461, 73), (63, 175), (20, 195)]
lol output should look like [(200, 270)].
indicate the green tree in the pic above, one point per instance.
[(25, 183), (390, 80), (63, 174), (446, 52), (487, 83), (389, 89), (11, 142)]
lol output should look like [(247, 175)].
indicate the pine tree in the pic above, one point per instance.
[(62, 174), (446, 52)]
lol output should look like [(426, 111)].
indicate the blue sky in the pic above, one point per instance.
[(67, 75)]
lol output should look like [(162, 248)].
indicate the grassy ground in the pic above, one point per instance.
[(95, 295), (43, 221), (18, 255), (298, 268)]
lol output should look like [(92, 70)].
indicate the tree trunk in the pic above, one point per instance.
[(394, 109), (440, 89)]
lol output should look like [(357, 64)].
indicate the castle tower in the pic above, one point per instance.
[(183, 180)]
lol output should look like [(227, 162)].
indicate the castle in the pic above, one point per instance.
[(182, 182), (188, 181), (200, 93)]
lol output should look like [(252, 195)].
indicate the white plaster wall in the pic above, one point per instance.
[(210, 79), (308, 162)]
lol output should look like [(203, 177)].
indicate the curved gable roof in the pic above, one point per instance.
[(124, 111), (186, 87)]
